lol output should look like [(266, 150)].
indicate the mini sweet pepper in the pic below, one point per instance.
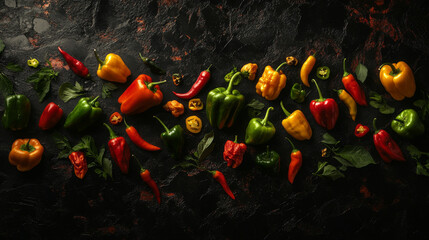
[(296, 124), (113, 68), (271, 83)]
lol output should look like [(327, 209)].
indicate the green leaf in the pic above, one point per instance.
[(107, 88), (375, 104), (320, 166), (100, 156), (41, 81), (63, 154), (184, 164), (254, 108), (92, 164), (355, 156), (191, 159), (386, 109), (414, 151), (329, 139), (107, 167), (421, 103), (6, 86), (1, 46), (206, 146), (67, 91), (380, 103), (61, 141), (14, 67), (332, 172), (361, 72), (375, 96), (421, 170)]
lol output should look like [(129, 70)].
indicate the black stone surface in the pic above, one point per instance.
[(379, 201)]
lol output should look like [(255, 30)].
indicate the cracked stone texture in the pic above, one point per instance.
[(378, 201)]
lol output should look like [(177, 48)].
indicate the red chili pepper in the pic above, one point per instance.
[(119, 150), (145, 176), (352, 86), (387, 148), (233, 152), (295, 162), (138, 140), (75, 65), (50, 116), (198, 85), (324, 110), (115, 118), (218, 176), (79, 163), (361, 130)]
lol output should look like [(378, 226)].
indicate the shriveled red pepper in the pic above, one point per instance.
[(115, 118), (386, 147), (146, 177), (361, 130), (233, 152), (79, 163), (50, 116), (295, 162), (352, 86), (220, 178), (138, 140), (324, 110), (119, 150), (75, 65), (198, 85)]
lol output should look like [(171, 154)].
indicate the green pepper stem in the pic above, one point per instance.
[(151, 85), (264, 121), (27, 147), (98, 58), (338, 91), (344, 68), (126, 125), (229, 89), (318, 89), (291, 143), (208, 69), (373, 124), (93, 101), (281, 65), (235, 141), (284, 109), (165, 127), (314, 54), (142, 169), (111, 132), (394, 72)]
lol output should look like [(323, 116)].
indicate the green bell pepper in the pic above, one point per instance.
[(297, 93), (173, 139), (85, 113), (408, 124), (260, 131), (223, 105), (269, 160), (17, 112)]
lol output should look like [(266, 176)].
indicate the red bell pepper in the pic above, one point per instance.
[(75, 65), (119, 150), (352, 86), (387, 148), (50, 116), (361, 130), (79, 163), (233, 152), (324, 110)]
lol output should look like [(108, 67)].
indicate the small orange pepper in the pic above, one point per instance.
[(250, 69), (193, 124), (174, 107), (25, 154)]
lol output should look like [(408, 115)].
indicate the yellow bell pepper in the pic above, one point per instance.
[(250, 69), (347, 99), (296, 124), (271, 83), (398, 80), (112, 69), (25, 154)]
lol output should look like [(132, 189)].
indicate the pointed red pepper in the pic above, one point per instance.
[(361, 130), (75, 65), (119, 150), (198, 85), (218, 176), (138, 140), (145, 176), (295, 162), (387, 148), (50, 116), (324, 110), (352, 86)]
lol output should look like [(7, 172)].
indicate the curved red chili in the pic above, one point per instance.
[(50, 116), (75, 65), (352, 86), (145, 176), (198, 85), (138, 140), (218, 176)]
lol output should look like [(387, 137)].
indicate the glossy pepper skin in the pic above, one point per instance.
[(269, 160), (115, 118), (75, 65), (85, 113), (17, 112), (306, 68), (324, 110), (147, 178), (250, 69), (202, 80), (119, 150), (223, 105), (152, 65), (32, 62), (348, 101), (271, 83), (408, 124), (361, 130), (50, 116), (135, 137), (113, 68), (173, 139), (220, 178), (295, 162), (386, 147), (79, 162), (260, 131), (297, 93), (233, 153), (193, 124), (352, 86), (398, 80), (175, 107), (296, 124), (25, 154), (141, 95)]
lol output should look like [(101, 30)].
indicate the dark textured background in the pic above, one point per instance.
[(378, 201)]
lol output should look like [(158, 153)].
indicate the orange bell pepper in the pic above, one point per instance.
[(398, 80), (141, 95), (25, 154)]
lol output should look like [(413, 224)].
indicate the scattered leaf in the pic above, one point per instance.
[(67, 91), (329, 139), (14, 67), (378, 102), (254, 108), (106, 90), (6, 86), (41, 81), (361, 72), (356, 156)]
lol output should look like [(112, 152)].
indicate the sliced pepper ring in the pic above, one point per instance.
[(193, 124), (195, 104), (115, 118), (323, 72)]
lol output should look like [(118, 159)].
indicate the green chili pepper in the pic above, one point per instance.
[(152, 65), (85, 113), (17, 112), (323, 72), (172, 139), (269, 160), (297, 93), (408, 124), (260, 131), (32, 62)]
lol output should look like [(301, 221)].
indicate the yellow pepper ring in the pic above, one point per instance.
[(195, 104), (193, 124)]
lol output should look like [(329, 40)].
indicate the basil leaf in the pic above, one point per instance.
[(361, 72), (206, 146), (107, 167), (1, 46), (320, 166), (375, 104), (107, 88), (386, 109), (67, 91), (329, 139), (332, 172), (6, 86), (354, 156), (14, 67), (254, 108), (41, 81)]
